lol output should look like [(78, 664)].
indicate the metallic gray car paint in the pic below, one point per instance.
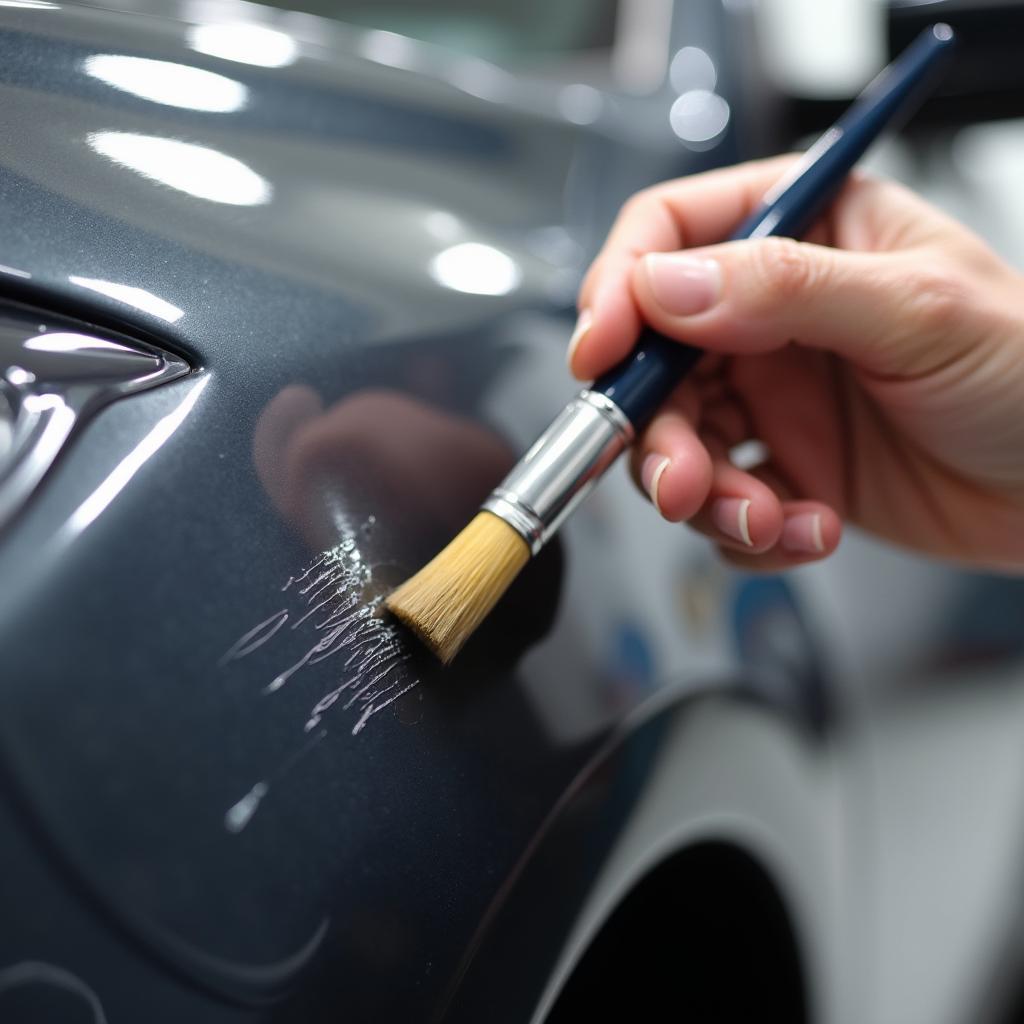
[(125, 731), (371, 271)]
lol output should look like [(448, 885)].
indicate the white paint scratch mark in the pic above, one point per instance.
[(339, 612), (374, 708), (278, 681), (299, 579), (256, 637), (239, 815)]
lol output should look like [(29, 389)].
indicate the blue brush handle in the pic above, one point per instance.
[(642, 382)]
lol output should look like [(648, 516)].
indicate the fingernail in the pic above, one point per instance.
[(650, 475), (583, 324), (731, 516), (683, 285), (801, 534)]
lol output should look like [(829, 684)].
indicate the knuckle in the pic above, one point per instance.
[(873, 196), (978, 257), (782, 272), (936, 296), (634, 214), (888, 192), (638, 205)]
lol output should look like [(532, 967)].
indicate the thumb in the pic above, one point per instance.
[(890, 313)]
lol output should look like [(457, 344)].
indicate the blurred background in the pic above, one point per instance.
[(772, 70)]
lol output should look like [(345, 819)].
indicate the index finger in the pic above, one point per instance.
[(698, 210)]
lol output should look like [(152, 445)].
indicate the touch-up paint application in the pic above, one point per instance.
[(335, 603), (454, 592)]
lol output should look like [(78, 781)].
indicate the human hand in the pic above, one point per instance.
[(881, 363)]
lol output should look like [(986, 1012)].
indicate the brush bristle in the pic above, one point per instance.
[(451, 595)]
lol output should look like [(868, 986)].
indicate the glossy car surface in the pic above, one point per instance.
[(230, 789)]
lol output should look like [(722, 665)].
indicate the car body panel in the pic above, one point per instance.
[(371, 272), (180, 783)]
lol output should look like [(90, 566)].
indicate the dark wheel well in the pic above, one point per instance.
[(703, 937)]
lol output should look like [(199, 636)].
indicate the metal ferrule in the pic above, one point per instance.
[(557, 473)]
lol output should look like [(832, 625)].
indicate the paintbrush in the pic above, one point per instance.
[(450, 596)]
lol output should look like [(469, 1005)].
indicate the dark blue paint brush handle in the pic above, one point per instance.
[(641, 383)]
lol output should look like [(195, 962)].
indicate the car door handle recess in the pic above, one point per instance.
[(54, 374)]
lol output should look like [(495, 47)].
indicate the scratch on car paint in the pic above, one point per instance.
[(337, 603), (38, 972), (377, 705), (336, 595), (278, 681), (238, 815), (256, 637)]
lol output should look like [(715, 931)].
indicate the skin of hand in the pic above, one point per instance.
[(881, 363)]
